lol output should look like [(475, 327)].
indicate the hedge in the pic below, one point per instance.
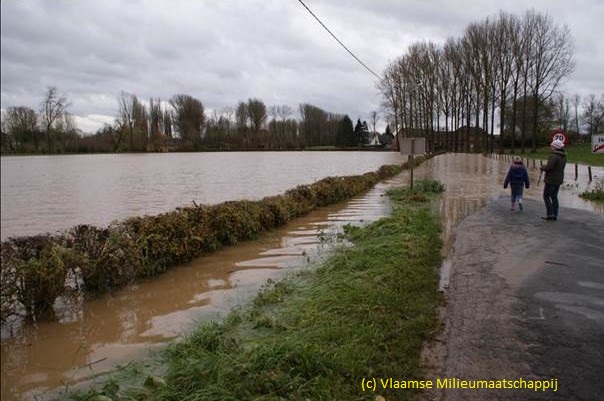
[(85, 259)]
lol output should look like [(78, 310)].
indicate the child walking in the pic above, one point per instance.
[(518, 179)]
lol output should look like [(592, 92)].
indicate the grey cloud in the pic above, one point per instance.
[(224, 52)]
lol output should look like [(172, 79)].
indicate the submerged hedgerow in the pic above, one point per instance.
[(363, 313), (36, 270)]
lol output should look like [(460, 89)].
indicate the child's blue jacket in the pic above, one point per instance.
[(517, 173)]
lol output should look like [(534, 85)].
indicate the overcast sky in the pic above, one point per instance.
[(223, 52)]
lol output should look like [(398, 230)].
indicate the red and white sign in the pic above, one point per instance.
[(561, 135), (597, 144)]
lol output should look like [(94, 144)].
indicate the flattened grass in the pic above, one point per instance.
[(364, 313)]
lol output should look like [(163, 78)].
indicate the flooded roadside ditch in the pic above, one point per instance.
[(131, 322), (40, 359)]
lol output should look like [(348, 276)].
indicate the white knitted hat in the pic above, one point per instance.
[(558, 144)]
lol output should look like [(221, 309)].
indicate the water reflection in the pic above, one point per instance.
[(472, 180), (130, 322), (48, 193), (127, 324)]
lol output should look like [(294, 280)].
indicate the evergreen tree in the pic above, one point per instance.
[(365, 134), (388, 131), (345, 133), (358, 133), (388, 137)]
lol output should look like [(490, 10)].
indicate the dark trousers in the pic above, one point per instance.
[(517, 188), (550, 197)]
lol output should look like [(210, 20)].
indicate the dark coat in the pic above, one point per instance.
[(554, 169), (517, 173)]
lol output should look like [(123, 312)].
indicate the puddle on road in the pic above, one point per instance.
[(471, 181), (130, 322)]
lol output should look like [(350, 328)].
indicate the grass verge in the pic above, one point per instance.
[(364, 313), (596, 194), (579, 153)]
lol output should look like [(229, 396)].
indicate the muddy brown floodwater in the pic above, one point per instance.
[(95, 336)]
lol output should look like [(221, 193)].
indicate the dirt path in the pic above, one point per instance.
[(525, 299)]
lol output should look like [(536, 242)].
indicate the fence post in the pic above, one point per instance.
[(576, 171), (589, 172)]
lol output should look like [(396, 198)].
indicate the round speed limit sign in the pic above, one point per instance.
[(560, 135)]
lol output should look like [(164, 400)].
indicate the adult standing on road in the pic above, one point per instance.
[(554, 176)]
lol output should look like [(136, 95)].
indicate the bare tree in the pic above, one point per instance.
[(447, 82), (561, 109), (553, 60), (373, 119), (242, 116), (279, 134), (460, 89), (124, 120), (273, 112), (576, 102), (519, 41), (21, 123), (593, 115), (499, 64), (257, 114), (228, 113), (167, 119), (156, 125), (131, 122), (189, 120), (388, 87), (284, 112), (506, 31), (242, 121), (66, 131), (318, 127), (53, 107)]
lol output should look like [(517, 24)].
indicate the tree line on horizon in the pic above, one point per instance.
[(505, 65), (181, 124)]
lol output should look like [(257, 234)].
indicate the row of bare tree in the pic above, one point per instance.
[(251, 125), (179, 124), (52, 129), (506, 65)]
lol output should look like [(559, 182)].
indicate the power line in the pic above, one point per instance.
[(338, 40)]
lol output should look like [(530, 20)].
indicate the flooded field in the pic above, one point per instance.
[(94, 336), (48, 193)]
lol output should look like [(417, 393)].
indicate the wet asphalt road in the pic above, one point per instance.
[(562, 307), (525, 299)]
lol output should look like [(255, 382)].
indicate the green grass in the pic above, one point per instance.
[(596, 194), (364, 313), (579, 153)]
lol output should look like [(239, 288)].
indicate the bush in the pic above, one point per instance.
[(596, 194), (109, 257), (34, 269), (33, 274)]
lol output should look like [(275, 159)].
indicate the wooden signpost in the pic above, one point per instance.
[(412, 147)]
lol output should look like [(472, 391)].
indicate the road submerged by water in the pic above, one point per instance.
[(133, 321), (525, 301)]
